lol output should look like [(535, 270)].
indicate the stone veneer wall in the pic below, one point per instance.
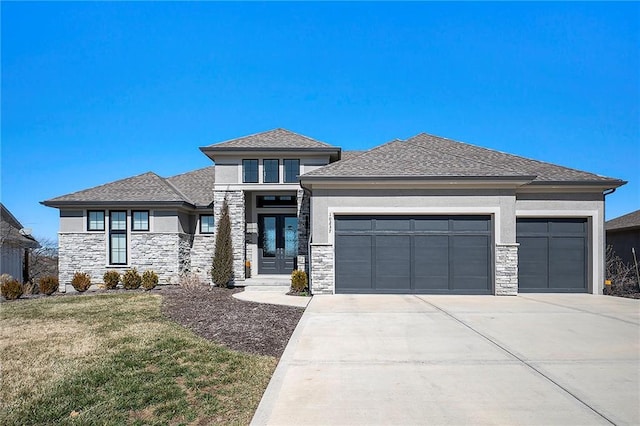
[(506, 269), (235, 200), (322, 276), (167, 254), (202, 256), (82, 252)]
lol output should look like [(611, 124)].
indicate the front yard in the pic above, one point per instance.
[(118, 358)]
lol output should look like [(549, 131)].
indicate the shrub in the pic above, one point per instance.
[(111, 279), (10, 288), (298, 280), (149, 280), (81, 281), (48, 284), (29, 287), (131, 279), (222, 270), (192, 282)]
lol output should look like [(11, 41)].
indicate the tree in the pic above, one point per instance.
[(43, 261), (222, 270)]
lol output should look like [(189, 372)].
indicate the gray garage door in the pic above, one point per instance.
[(413, 254), (552, 256)]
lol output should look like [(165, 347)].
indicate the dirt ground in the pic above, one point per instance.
[(212, 313)]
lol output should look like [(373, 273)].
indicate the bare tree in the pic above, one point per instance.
[(43, 260)]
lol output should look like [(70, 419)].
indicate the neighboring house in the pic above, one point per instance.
[(423, 215), (16, 242), (623, 234)]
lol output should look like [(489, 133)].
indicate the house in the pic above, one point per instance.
[(16, 242), (422, 215), (623, 234)]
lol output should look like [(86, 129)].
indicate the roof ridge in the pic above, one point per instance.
[(416, 143), (105, 184), (347, 160), (309, 138)]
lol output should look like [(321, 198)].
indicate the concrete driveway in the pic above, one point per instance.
[(402, 360)]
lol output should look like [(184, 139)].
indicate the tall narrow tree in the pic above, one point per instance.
[(222, 270)]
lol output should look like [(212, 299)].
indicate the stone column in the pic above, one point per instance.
[(506, 274), (322, 275), (303, 228), (235, 201)]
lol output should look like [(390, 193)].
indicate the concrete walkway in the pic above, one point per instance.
[(458, 360), (275, 295)]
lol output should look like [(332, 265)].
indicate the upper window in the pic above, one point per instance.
[(95, 220), (291, 171), (206, 224), (250, 171), (277, 200), (271, 172), (140, 220)]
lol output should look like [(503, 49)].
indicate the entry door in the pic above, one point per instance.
[(278, 243)]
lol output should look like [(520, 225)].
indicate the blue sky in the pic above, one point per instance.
[(94, 92)]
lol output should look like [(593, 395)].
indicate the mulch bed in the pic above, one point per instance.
[(212, 313)]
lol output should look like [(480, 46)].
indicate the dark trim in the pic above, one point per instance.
[(58, 204), (133, 212), (420, 178), (206, 149), (200, 226), (89, 221)]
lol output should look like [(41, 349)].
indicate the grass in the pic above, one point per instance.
[(114, 359)]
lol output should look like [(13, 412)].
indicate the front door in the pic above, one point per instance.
[(277, 243)]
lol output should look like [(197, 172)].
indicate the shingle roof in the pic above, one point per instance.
[(628, 221), (197, 185), (147, 187), (425, 156), (272, 139), (10, 230), (350, 154)]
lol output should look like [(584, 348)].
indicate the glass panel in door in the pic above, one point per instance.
[(269, 236), (290, 237)]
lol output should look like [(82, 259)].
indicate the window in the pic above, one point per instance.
[(95, 220), (118, 238), (291, 171), (271, 172), (250, 171), (277, 200), (140, 220), (206, 224)]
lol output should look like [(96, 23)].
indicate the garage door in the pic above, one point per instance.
[(552, 256), (413, 254)]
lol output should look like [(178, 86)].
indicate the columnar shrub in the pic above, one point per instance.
[(10, 288), (149, 280), (222, 271), (298, 280), (111, 279), (81, 281), (48, 284), (131, 279)]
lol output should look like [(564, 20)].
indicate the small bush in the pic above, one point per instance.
[(149, 280), (10, 288), (81, 281), (111, 279), (29, 287), (48, 285), (131, 279), (298, 280), (192, 282)]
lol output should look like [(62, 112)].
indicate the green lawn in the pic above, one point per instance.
[(114, 359)]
